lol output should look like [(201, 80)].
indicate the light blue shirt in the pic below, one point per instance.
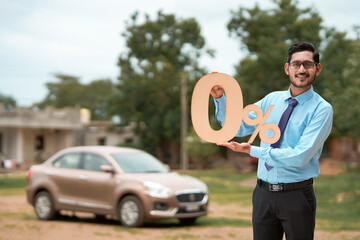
[(297, 158)]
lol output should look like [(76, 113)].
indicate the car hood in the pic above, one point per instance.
[(174, 181)]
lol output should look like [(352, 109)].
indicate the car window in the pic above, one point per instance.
[(69, 160), (94, 161), (139, 162)]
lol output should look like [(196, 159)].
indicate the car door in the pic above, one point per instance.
[(97, 188), (64, 175)]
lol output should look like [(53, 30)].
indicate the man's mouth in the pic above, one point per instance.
[(302, 75)]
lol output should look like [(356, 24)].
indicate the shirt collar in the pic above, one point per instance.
[(302, 98)]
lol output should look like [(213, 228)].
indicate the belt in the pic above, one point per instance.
[(277, 187)]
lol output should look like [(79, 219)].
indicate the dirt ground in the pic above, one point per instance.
[(17, 221)]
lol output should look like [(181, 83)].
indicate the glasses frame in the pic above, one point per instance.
[(314, 64)]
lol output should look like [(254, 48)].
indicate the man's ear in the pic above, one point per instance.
[(318, 69), (286, 68)]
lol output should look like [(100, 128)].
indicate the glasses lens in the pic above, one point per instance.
[(297, 65), (308, 65)]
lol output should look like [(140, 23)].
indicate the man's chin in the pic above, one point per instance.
[(301, 84)]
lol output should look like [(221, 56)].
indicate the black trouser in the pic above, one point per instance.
[(292, 212)]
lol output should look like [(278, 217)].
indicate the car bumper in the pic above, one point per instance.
[(176, 209)]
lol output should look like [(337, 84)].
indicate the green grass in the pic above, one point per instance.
[(337, 197), (225, 185), (222, 222), (338, 201), (12, 192), (12, 181)]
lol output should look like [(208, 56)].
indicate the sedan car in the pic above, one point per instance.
[(125, 183)]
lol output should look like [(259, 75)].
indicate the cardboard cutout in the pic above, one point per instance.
[(200, 107), (234, 112)]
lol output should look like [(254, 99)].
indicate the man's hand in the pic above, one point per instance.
[(237, 147), (217, 91)]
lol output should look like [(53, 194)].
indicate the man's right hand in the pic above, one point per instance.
[(217, 91)]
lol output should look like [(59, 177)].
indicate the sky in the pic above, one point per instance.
[(39, 38)]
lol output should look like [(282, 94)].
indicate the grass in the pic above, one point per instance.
[(12, 185), (338, 201), (225, 185), (337, 197), (12, 181), (222, 222), (12, 192)]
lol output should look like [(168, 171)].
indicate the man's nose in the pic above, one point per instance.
[(302, 68)]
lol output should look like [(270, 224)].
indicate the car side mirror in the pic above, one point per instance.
[(106, 168)]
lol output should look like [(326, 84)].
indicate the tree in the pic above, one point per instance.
[(344, 91), (67, 91), (201, 152), (149, 84), (266, 35), (8, 102)]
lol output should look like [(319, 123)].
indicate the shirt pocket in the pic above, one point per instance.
[(293, 132)]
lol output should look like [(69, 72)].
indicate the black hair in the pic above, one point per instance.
[(303, 46)]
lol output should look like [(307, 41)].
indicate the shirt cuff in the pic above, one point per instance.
[(256, 151)]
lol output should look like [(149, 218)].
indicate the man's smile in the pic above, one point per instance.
[(302, 75)]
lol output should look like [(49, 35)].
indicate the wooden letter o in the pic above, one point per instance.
[(200, 107)]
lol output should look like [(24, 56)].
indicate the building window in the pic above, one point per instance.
[(39, 143), (102, 141)]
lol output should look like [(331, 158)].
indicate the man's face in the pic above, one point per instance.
[(302, 70)]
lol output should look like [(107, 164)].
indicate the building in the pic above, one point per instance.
[(29, 135)]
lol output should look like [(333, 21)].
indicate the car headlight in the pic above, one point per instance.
[(157, 190)]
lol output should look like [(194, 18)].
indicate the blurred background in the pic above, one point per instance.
[(122, 73)]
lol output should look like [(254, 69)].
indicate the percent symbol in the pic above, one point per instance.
[(261, 128)]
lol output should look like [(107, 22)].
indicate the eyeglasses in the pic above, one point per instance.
[(306, 64)]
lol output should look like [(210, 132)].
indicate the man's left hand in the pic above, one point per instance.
[(237, 147)]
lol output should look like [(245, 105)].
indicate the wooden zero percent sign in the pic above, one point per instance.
[(235, 113)]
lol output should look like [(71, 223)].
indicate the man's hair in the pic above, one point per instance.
[(303, 46)]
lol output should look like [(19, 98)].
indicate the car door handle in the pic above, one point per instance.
[(82, 177)]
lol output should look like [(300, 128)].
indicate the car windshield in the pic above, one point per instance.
[(139, 162)]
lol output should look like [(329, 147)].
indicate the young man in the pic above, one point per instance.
[(284, 199)]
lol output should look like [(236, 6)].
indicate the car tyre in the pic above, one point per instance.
[(44, 206), (187, 221), (131, 212)]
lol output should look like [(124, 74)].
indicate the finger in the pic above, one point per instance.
[(224, 144)]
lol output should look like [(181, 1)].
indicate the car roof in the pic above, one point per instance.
[(101, 149)]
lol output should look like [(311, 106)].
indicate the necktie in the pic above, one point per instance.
[(282, 125)]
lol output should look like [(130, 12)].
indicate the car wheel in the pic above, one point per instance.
[(131, 212), (187, 221), (44, 207)]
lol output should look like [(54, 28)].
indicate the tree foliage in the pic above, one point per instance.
[(266, 35), (67, 91), (341, 85), (158, 51), (200, 151), (8, 102)]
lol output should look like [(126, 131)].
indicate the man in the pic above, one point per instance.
[(284, 199)]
